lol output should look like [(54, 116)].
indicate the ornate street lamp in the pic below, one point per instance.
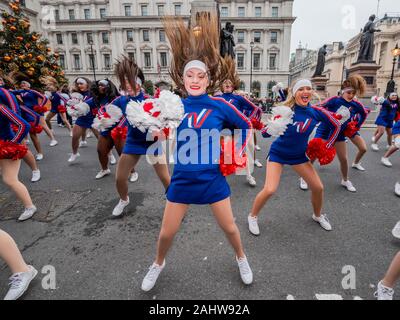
[(251, 67), (391, 84)]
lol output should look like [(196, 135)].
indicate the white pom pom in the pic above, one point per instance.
[(377, 100), (397, 142), (78, 110), (281, 117), (345, 113), (104, 121), (77, 96)]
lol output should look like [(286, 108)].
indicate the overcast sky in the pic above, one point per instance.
[(326, 21)]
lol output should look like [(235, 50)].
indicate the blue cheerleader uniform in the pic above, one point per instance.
[(85, 121), (387, 114), (357, 113), (8, 117), (242, 104), (57, 101), (291, 147), (30, 98), (197, 178)]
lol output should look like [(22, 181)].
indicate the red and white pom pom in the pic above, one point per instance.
[(377, 100), (351, 129), (342, 114), (39, 109), (317, 150), (35, 129), (230, 160), (257, 125), (281, 117), (75, 98), (78, 110), (12, 151), (119, 133), (61, 109), (108, 119)]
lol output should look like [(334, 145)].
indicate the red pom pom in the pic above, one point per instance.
[(14, 127), (257, 124), (166, 132), (62, 109), (397, 117), (351, 129), (157, 94), (36, 129), (317, 149), (13, 151), (230, 161), (39, 109), (119, 133), (95, 111)]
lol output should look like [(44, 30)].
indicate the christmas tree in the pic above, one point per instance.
[(26, 53)]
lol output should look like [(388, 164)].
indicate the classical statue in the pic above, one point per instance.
[(321, 62), (367, 41), (227, 41)]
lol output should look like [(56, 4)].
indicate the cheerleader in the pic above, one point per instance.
[(385, 120), (385, 286), (137, 144), (58, 102), (23, 274), (395, 103), (9, 100), (11, 152), (350, 129), (197, 180), (30, 99), (247, 108), (290, 149)]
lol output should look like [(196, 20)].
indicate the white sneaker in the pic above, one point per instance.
[(386, 162), (103, 173), (251, 180), (257, 147), (303, 185), (35, 176), (89, 134), (373, 139), (134, 177), (245, 271), (349, 186), (73, 157), (358, 166), (112, 159), (396, 230), (39, 157), (323, 222), (70, 133), (83, 144), (258, 164), (374, 147), (253, 225), (119, 209), (28, 213), (19, 283), (53, 143), (151, 277), (384, 293), (397, 189)]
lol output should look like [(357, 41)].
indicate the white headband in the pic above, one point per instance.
[(81, 81), (197, 64), (139, 82), (393, 94), (104, 82), (26, 83), (300, 84)]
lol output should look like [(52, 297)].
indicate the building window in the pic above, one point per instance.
[(240, 36), (257, 60), (240, 60), (144, 10), (128, 11), (257, 12), (274, 37), (369, 80), (162, 36), (131, 56), (241, 12), (224, 12), (74, 38), (272, 61), (129, 35), (89, 37), (103, 13), (61, 59), (146, 35), (107, 61), (105, 37), (178, 9), (59, 38), (57, 14), (147, 59), (92, 61), (163, 59), (398, 63), (160, 10), (275, 12), (257, 36), (87, 14), (77, 62), (71, 13)]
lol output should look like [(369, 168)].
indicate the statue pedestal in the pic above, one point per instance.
[(199, 6), (319, 83), (368, 71)]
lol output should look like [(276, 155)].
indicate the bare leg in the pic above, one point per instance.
[(36, 142), (160, 166), (50, 116), (392, 150), (341, 150), (65, 120), (104, 146), (393, 274), (46, 129), (125, 165), (10, 254), (389, 136), (379, 134), (83, 135), (76, 134), (31, 161), (361, 146)]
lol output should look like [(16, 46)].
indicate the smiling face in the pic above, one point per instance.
[(349, 95), (83, 86), (102, 89), (303, 96), (196, 82), (394, 97), (227, 86), (24, 86)]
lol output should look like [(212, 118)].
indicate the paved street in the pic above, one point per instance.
[(97, 257)]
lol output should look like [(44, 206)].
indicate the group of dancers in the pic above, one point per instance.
[(198, 72)]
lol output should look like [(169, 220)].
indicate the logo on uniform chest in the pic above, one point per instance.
[(196, 120), (302, 126)]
